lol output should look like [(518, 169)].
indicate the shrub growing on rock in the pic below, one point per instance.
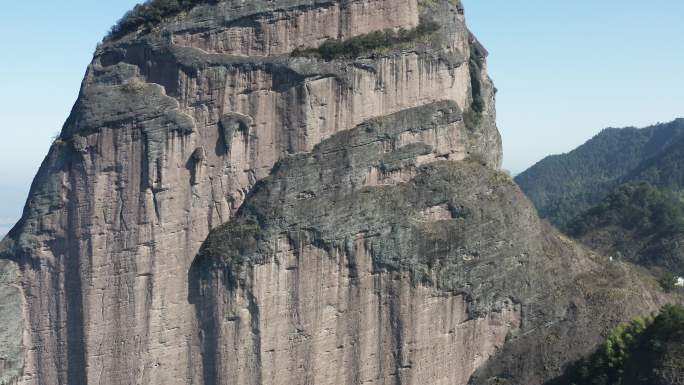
[(358, 45), (149, 14)]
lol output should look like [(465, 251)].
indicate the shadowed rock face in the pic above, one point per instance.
[(172, 129), (326, 274), (364, 234), (372, 260)]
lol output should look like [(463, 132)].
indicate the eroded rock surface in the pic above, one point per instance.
[(365, 235), (11, 323), (324, 278), (172, 129)]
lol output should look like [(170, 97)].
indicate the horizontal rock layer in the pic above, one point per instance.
[(389, 249), (323, 277), (278, 31), (172, 129)]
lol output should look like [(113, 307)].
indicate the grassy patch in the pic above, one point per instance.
[(133, 86)]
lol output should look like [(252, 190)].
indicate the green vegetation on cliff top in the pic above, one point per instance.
[(151, 13), (363, 44)]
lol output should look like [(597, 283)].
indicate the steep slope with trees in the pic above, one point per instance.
[(562, 186), (639, 223), (647, 351)]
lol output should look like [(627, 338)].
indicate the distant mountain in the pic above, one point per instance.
[(562, 186), (5, 226), (620, 193)]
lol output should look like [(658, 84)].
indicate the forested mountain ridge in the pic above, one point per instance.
[(665, 170), (562, 186), (619, 194), (639, 223)]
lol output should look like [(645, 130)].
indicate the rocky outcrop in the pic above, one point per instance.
[(318, 282), (324, 278), (172, 129), (363, 232), (11, 323), (264, 28)]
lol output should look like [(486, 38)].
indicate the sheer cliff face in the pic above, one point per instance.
[(337, 268), (363, 234), (370, 260)]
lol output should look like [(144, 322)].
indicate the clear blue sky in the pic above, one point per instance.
[(564, 70), (567, 69)]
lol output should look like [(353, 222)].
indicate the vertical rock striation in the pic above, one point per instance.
[(171, 130), (361, 232), (377, 258)]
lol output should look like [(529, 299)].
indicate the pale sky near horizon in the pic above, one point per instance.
[(564, 71)]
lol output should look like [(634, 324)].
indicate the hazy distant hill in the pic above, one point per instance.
[(5, 226), (665, 170)]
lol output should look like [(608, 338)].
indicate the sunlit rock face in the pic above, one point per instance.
[(381, 258), (362, 232)]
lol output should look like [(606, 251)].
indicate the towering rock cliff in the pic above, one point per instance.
[(217, 210)]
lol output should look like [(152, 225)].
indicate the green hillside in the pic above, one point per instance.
[(561, 186)]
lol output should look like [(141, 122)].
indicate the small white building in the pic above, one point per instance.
[(680, 282)]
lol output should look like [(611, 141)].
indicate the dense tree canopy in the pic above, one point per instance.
[(638, 223), (638, 207), (647, 351), (563, 186)]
